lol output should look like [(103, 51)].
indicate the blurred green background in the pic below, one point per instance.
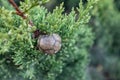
[(105, 23)]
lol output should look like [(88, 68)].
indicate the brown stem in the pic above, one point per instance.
[(22, 14), (18, 11)]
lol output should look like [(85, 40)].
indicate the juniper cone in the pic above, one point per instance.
[(49, 43), (19, 58)]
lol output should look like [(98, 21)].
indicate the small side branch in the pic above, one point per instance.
[(22, 14), (18, 11)]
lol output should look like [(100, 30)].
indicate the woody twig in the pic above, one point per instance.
[(22, 14), (19, 12)]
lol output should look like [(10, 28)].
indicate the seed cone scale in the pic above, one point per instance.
[(49, 43)]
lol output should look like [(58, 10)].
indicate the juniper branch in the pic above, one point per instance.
[(18, 11), (22, 14)]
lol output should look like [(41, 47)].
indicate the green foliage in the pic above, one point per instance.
[(5, 3), (72, 3), (19, 58)]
